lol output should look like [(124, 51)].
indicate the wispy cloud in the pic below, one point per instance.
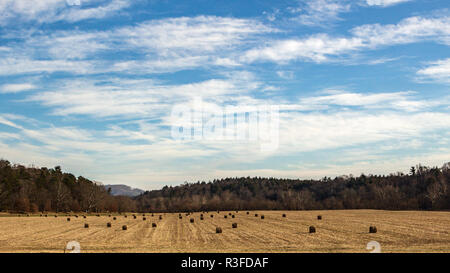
[(47, 11), (16, 88), (321, 12), (438, 71), (398, 100), (385, 3), (156, 46), (321, 47), (138, 98)]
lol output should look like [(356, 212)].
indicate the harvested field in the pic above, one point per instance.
[(338, 231)]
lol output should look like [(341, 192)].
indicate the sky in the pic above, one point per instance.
[(95, 86)]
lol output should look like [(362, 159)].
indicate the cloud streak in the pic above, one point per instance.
[(322, 47), (49, 11), (438, 71)]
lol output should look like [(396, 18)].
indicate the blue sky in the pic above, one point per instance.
[(362, 86)]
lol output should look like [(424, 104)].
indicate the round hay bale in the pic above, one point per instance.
[(225, 216), (284, 215), (134, 216), (143, 214), (373, 229), (56, 216), (143, 218), (229, 213), (84, 216), (68, 219), (114, 218), (218, 230), (124, 227), (109, 215), (160, 217), (86, 225), (248, 212), (180, 217), (191, 220), (98, 215), (312, 229), (108, 225), (152, 215), (319, 217), (232, 216), (262, 216), (153, 225), (46, 215), (256, 214), (125, 216), (234, 225), (76, 216), (212, 216)]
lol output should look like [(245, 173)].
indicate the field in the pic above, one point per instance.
[(338, 231)]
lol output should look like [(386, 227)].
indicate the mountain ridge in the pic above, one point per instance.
[(123, 190)]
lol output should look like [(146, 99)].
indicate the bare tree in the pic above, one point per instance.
[(92, 195), (436, 191), (62, 193)]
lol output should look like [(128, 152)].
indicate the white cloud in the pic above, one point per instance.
[(12, 66), (6, 121), (29, 9), (344, 128), (321, 12), (57, 10), (288, 75), (326, 12), (409, 30), (315, 48), (159, 46), (385, 3), (186, 34), (75, 15), (16, 88), (143, 98), (397, 100), (322, 47), (437, 71)]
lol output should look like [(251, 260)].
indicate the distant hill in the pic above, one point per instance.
[(124, 190)]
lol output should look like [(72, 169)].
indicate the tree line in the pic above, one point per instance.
[(25, 189), (423, 188), (32, 189)]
